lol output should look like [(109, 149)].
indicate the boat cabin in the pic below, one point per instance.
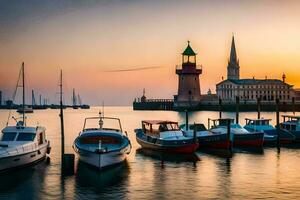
[(220, 122), (160, 128), (23, 134), (191, 127), (257, 122), (290, 123)]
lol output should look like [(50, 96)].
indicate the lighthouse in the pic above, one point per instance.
[(189, 94)]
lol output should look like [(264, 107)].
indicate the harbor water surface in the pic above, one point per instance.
[(148, 175)]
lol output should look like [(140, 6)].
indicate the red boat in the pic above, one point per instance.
[(165, 136)]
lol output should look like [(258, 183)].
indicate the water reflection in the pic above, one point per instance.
[(24, 183), (163, 156), (88, 178)]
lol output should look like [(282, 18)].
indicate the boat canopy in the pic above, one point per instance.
[(157, 126)]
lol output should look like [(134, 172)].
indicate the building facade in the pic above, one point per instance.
[(188, 94), (251, 89)]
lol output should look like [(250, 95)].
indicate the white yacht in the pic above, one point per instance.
[(22, 145)]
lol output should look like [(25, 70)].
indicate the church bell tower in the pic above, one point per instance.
[(188, 86), (233, 67)]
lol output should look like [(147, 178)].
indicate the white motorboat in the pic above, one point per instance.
[(22, 145), (102, 146)]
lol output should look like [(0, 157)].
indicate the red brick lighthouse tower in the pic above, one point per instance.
[(189, 86)]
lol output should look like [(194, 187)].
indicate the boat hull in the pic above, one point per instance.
[(16, 161), (180, 148), (102, 160), (248, 140), (218, 141)]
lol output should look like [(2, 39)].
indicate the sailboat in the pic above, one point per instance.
[(22, 145)]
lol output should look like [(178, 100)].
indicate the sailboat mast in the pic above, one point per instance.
[(23, 84), (62, 121)]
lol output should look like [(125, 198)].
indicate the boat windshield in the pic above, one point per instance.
[(258, 122), (26, 136), (105, 123), (8, 136)]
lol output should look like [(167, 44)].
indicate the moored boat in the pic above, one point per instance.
[(270, 132), (102, 146), (22, 145), (207, 139), (165, 136), (291, 125), (241, 137)]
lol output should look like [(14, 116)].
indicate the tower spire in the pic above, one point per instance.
[(233, 68), (233, 57)]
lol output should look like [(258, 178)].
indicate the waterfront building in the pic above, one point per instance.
[(188, 72), (250, 89)]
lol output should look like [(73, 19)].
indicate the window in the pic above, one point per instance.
[(8, 136), (26, 136)]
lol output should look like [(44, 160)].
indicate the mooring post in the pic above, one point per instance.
[(67, 160), (229, 135), (186, 120), (195, 133), (237, 101), (258, 107), (220, 108), (277, 124), (293, 105)]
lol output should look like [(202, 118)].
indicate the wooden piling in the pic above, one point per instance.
[(237, 102), (186, 120), (228, 135), (258, 107), (67, 160), (277, 124), (195, 133), (293, 105), (220, 108)]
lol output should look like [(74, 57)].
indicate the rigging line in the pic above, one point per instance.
[(13, 97)]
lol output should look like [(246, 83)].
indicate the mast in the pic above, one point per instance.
[(62, 121), (23, 84), (74, 98)]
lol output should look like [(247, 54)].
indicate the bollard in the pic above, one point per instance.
[(237, 109), (258, 107)]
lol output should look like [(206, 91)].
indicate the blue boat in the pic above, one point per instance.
[(270, 132), (291, 125), (207, 139), (241, 137)]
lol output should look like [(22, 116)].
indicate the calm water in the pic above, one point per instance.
[(146, 175)]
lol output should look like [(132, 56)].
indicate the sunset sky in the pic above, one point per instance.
[(98, 44)]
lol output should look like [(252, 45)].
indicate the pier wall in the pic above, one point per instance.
[(214, 106)]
